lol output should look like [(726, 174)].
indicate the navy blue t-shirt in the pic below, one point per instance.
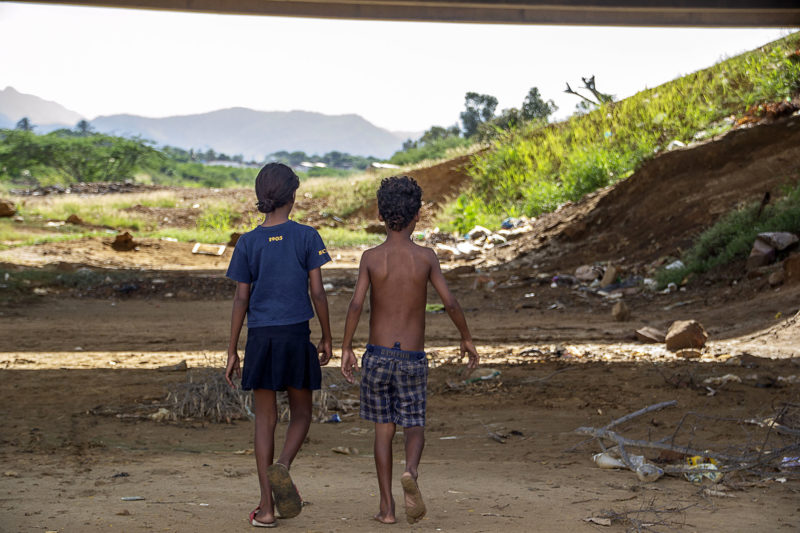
[(275, 261)]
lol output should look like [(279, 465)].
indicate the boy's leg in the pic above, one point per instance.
[(415, 442), (384, 433), (266, 417), (300, 405)]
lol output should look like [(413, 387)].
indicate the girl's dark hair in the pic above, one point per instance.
[(275, 186), (399, 200)]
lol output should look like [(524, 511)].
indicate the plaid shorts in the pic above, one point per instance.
[(393, 386)]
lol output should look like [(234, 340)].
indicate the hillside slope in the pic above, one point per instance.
[(660, 209)]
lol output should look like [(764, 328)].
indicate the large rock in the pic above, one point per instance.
[(686, 334), (7, 208), (761, 254), (778, 240), (75, 219)]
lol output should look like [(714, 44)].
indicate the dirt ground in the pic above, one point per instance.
[(83, 341)]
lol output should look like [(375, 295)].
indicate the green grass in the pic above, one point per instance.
[(731, 238), (534, 169), (13, 235)]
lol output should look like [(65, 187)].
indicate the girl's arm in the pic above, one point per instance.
[(241, 300), (320, 300)]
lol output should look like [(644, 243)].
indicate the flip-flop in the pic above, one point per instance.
[(257, 523), (287, 500), (416, 512)]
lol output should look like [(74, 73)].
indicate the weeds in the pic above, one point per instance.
[(534, 169), (732, 236)]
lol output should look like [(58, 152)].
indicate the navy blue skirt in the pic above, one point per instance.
[(277, 357)]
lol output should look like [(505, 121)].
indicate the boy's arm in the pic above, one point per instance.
[(241, 299), (320, 300), (454, 311), (349, 361)]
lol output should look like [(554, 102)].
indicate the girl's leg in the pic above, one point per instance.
[(266, 412), (300, 406)]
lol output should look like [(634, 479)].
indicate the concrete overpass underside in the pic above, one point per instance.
[(703, 13)]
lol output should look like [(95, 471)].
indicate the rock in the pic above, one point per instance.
[(779, 240), (685, 334), (375, 228), (575, 230), (446, 252), (587, 273), (75, 219), (477, 232), (7, 208), (123, 242), (776, 278), (648, 334), (689, 353), (761, 254), (177, 367), (620, 312), (458, 271), (609, 277), (234, 239), (791, 269)]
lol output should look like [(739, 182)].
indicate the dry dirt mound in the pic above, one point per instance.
[(661, 208), (439, 183)]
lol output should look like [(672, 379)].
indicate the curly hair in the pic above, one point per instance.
[(399, 200), (275, 186)]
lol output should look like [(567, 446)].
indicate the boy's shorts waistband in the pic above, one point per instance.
[(395, 352)]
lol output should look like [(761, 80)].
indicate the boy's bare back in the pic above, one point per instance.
[(398, 274)]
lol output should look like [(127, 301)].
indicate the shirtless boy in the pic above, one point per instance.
[(395, 369)]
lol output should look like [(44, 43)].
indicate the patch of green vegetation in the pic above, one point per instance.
[(12, 235), (345, 196), (532, 169), (205, 235), (346, 237), (732, 237), (431, 151)]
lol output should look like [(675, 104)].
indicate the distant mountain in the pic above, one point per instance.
[(257, 133), (48, 115), (238, 130)]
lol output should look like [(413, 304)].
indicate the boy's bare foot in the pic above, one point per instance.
[(415, 507), (386, 517)]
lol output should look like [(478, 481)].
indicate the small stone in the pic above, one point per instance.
[(620, 312), (124, 512), (778, 240), (234, 239), (684, 334), (75, 219), (689, 353), (7, 208), (761, 254), (587, 273), (123, 242), (609, 277), (791, 269), (648, 334), (776, 278)]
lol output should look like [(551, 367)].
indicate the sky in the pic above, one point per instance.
[(402, 76)]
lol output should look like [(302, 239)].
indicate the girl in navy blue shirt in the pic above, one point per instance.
[(273, 266)]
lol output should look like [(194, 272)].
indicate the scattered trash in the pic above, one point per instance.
[(448, 438), (160, 415), (208, 249), (597, 520), (11, 473), (790, 462), (132, 498), (483, 374), (328, 287), (434, 308), (675, 265), (722, 380), (606, 460), (334, 419), (703, 471), (120, 474)]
